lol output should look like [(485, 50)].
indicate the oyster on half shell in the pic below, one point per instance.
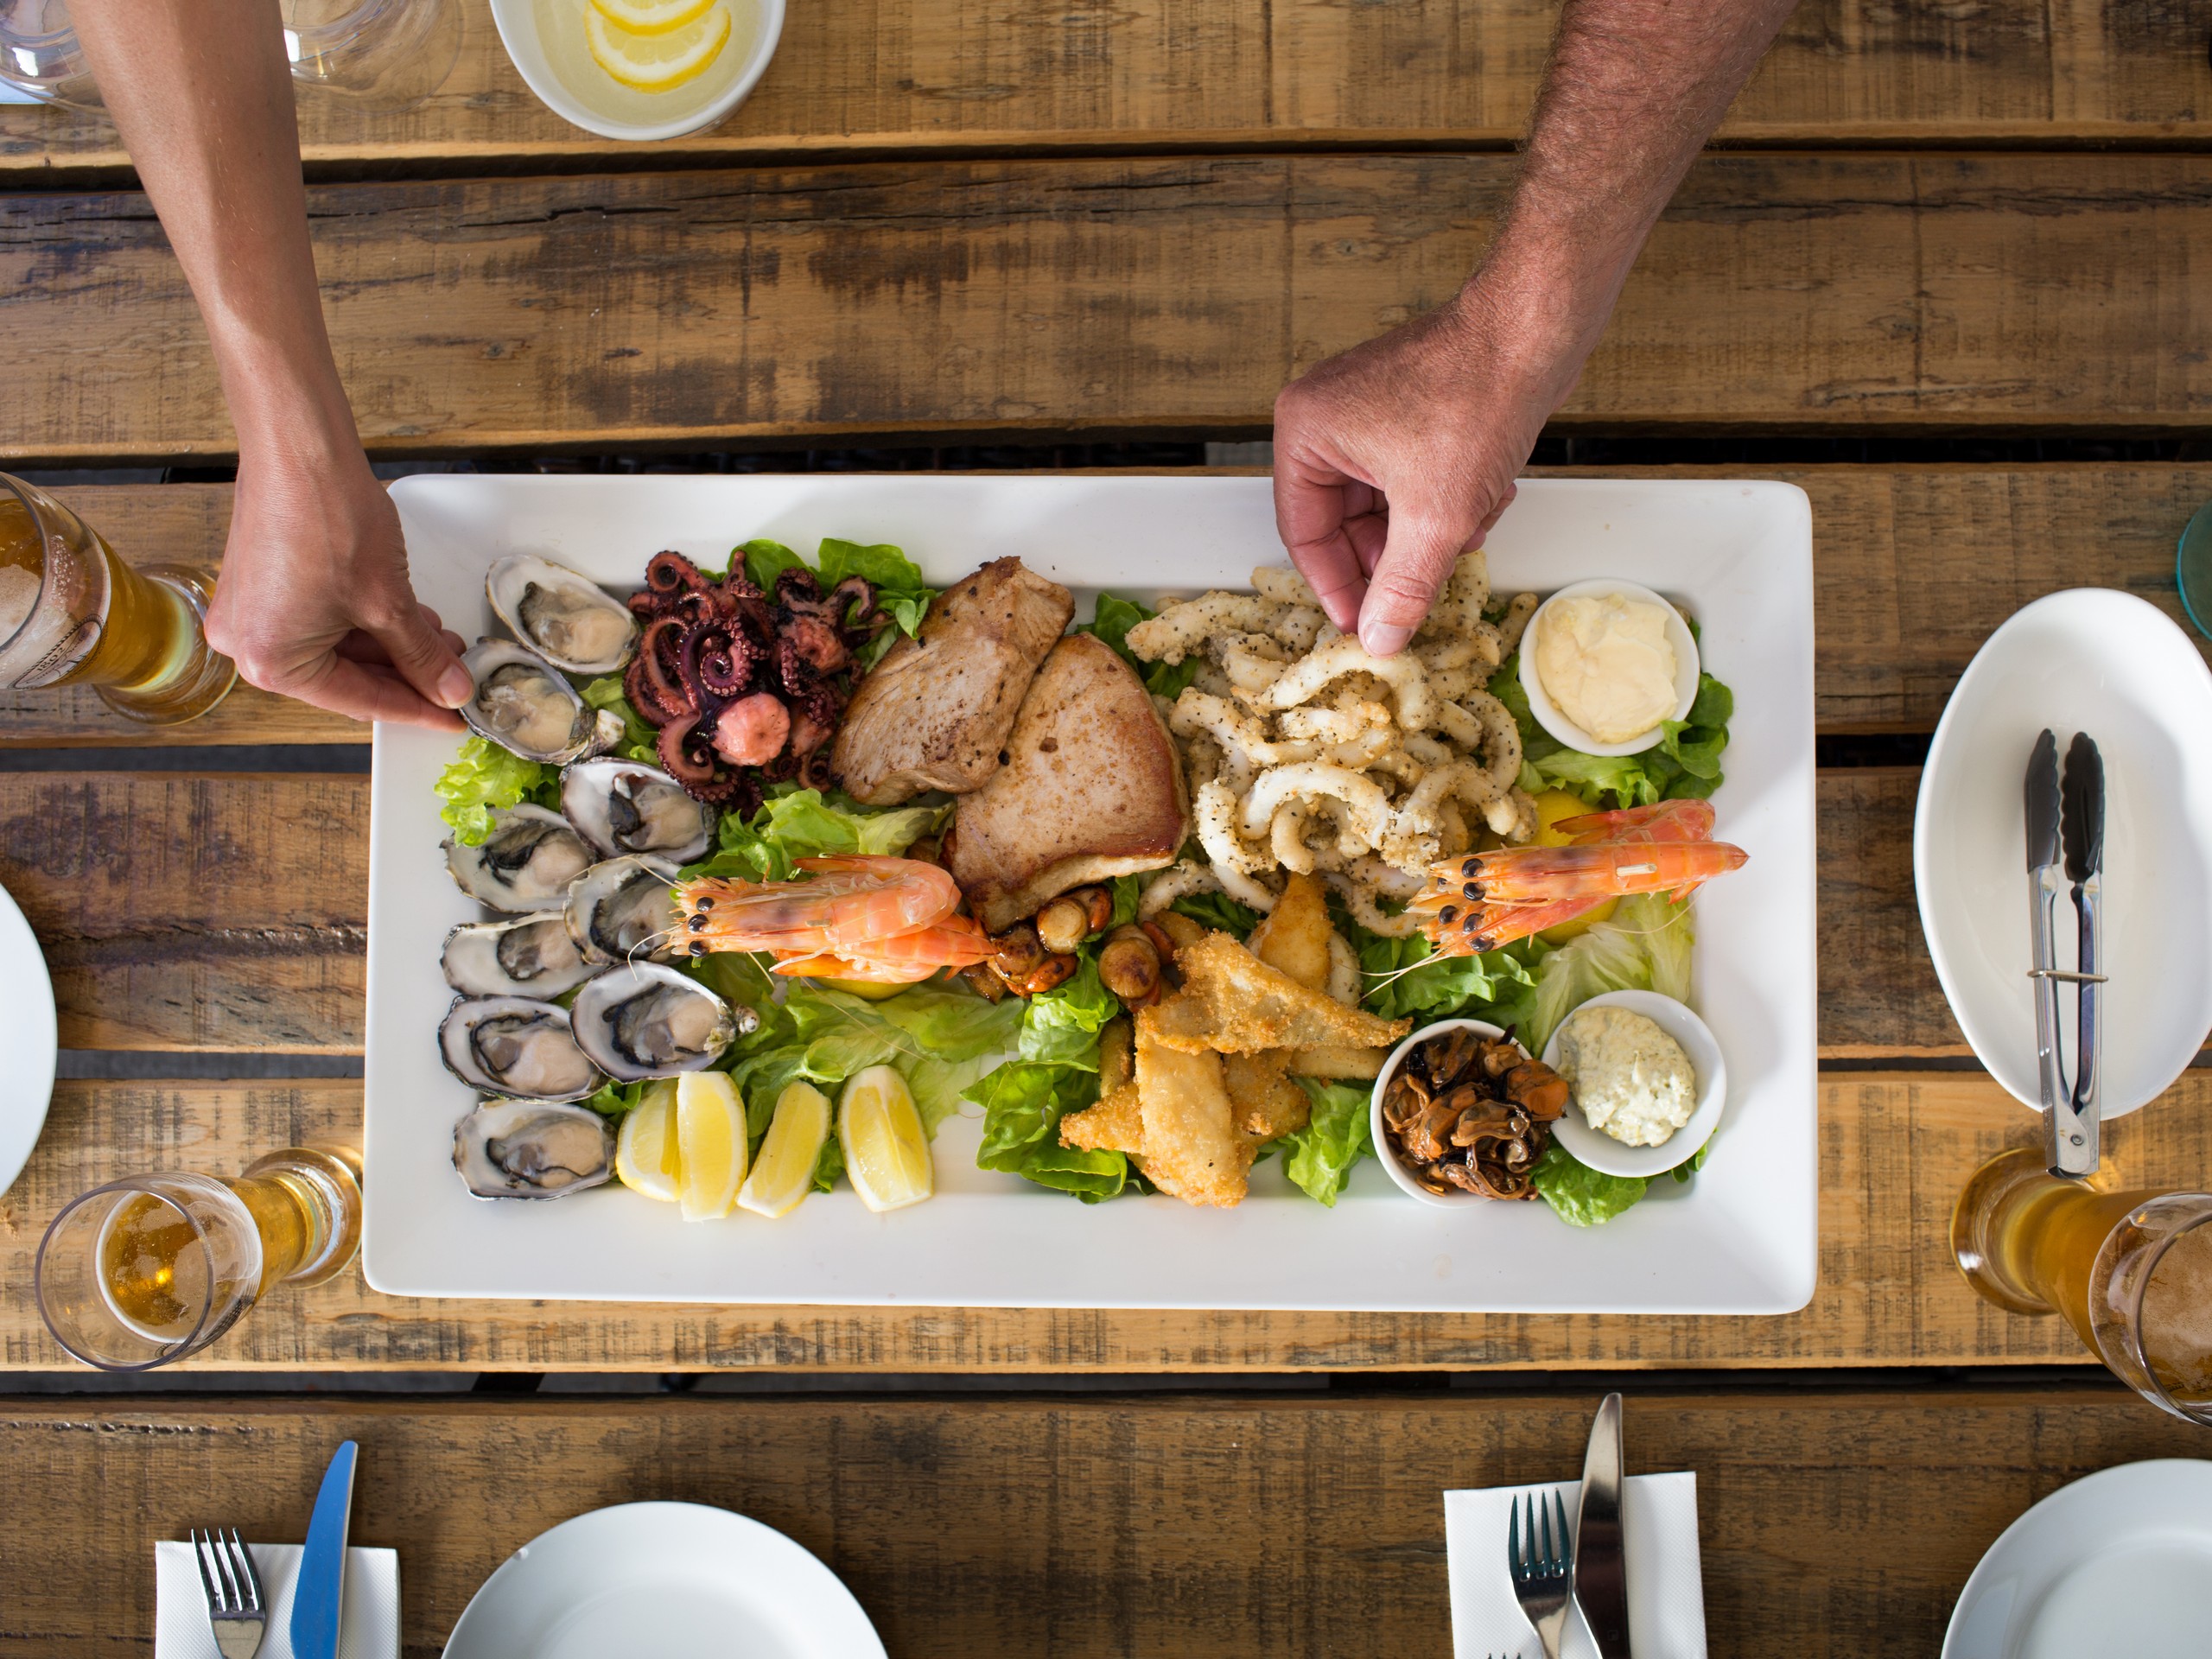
[(526, 705), (532, 1149), (561, 615), (624, 806), (525, 864), (647, 1020), (623, 909), (530, 956), (515, 1045)]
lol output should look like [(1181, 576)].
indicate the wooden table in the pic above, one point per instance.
[(973, 221)]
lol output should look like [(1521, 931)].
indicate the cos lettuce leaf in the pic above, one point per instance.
[(1578, 1195), (1643, 946), (1684, 764), (794, 824), (1404, 978), (1319, 1157), (484, 776), (1060, 1026), (1023, 1102), (1112, 620)]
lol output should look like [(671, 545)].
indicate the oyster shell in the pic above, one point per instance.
[(526, 705), (622, 806), (515, 1045), (560, 614), (525, 864), (531, 1149), (647, 1021), (623, 909), (531, 956)]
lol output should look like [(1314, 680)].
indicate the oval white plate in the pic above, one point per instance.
[(1599, 1150), (27, 1038), (1548, 713), (676, 1581), (2119, 1562), (2108, 663)]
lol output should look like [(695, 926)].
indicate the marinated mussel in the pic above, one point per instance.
[(531, 956), (647, 1020), (525, 864), (515, 1045), (624, 909), (531, 1149), (622, 806), (526, 705), (560, 614)]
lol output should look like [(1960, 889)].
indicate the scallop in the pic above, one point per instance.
[(561, 615), (527, 707), (532, 1149), (624, 909), (515, 1045), (621, 806), (647, 1021), (533, 956), (526, 863)]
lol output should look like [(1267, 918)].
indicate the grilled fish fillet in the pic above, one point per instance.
[(1091, 789), (934, 714)]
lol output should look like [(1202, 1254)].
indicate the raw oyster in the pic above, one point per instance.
[(526, 705), (533, 956), (647, 1021), (525, 864), (531, 1149), (622, 806), (623, 909), (515, 1045), (560, 614)]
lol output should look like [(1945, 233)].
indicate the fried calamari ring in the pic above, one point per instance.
[(1181, 629), (1304, 680)]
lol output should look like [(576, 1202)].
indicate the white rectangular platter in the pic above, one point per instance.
[(1739, 1239)]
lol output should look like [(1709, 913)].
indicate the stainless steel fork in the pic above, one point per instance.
[(1542, 1565), (236, 1610)]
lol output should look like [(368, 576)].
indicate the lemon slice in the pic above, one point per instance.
[(649, 16), (645, 1151), (784, 1173), (658, 63), (886, 1154), (709, 1144)]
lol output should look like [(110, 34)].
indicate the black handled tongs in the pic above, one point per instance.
[(2066, 848)]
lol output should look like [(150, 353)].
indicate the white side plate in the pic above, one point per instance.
[(27, 1038), (675, 1581), (2108, 663), (1740, 1239)]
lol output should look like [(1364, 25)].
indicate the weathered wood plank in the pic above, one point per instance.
[(230, 912), (1828, 1523), (1787, 291), (1895, 1150), (893, 75), (1915, 566)]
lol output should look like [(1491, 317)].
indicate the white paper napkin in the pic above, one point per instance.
[(1666, 1586), (368, 1623)]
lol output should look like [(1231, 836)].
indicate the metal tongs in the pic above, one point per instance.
[(2066, 846)]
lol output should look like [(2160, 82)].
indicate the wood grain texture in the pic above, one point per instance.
[(230, 911), (1800, 292), (1894, 1150), (1829, 1524), (905, 75), (1913, 566)]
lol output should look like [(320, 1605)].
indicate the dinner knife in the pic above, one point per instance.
[(1600, 1561), (2082, 794), (321, 1582)]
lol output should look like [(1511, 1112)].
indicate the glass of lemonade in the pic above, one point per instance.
[(2131, 1270), (151, 1269), (72, 613)]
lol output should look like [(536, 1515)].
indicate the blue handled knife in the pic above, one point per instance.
[(321, 1582)]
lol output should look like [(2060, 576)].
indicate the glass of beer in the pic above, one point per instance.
[(2131, 1270), (73, 613), (153, 1268)]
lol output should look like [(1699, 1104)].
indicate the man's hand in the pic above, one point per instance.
[(314, 600), (1396, 457)]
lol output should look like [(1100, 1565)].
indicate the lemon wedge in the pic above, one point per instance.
[(645, 1150), (649, 16), (709, 1144), (886, 1154), (658, 63), (784, 1173)]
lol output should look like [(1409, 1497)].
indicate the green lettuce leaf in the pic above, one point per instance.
[(1578, 1195), (1684, 764), (794, 824), (1218, 910), (1318, 1158), (900, 589), (483, 777), (1127, 892), (1023, 1102), (1406, 977), (1111, 621), (1645, 945), (1060, 1026), (639, 740), (765, 561)]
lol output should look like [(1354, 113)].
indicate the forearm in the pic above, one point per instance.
[(202, 95), (1633, 91)]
